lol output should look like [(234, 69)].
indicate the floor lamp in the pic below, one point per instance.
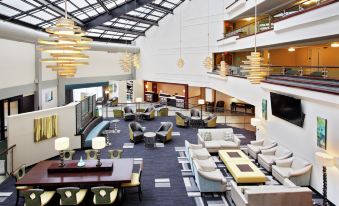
[(201, 102), (325, 160)]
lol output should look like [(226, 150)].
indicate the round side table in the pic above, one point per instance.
[(149, 139)]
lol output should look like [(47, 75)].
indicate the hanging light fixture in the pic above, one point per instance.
[(65, 45), (180, 62), (256, 73), (208, 62), (136, 61), (126, 62)]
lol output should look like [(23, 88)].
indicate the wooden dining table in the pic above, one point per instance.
[(45, 174)]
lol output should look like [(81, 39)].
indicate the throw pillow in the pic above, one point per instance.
[(228, 136), (208, 136)]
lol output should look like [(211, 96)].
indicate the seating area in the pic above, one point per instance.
[(93, 129)]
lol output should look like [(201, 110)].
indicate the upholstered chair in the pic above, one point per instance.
[(71, 195), (268, 157), (295, 169), (135, 182), (115, 153), (91, 154), (68, 154), (136, 132), (256, 146), (18, 175), (163, 112), (129, 114), (209, 107), (149, 113), (210, 121), (195, 112), (220, 106), (164, 133), (37, 197), (104, 195), (181, 120), (114, 101), (118, 113)]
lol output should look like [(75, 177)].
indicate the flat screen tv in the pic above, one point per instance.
[(287, 108)]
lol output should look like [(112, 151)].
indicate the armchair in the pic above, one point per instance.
[(136, 132), (118, 113), (163, 112), (104, 195), (295, 169), (37, 197), (209, 107), (195, 112), (181, 120), (211, 121), (268, 157), (129, 114), (164, 133), (149, 113), (220, 106), (71, 195), (256, 146)]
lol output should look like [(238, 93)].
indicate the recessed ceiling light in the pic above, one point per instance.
[(249, 19), (291, 49), (335, 44)]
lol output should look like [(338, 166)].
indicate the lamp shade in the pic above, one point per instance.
[(61, 143), (255, 122), (201, 101), (324, 159), (138, 99), (98, 142)]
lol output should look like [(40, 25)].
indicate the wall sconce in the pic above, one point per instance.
[(291, 49)]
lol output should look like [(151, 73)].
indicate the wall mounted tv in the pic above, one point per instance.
[(287, 108)]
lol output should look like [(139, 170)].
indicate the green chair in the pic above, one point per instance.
[(115, 153), (118, 113), (104, 195), (71, 195), (136, 132), (163, 112), (135, 182), (164, 133), (181, 120), (210, 121), (91, 154), (18, 175), (37, 197), (68, 154)]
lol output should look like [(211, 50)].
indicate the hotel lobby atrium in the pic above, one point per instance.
[(169, 102)]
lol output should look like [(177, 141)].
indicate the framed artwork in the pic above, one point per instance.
[(321, 132), (264, 109), (49, 96), (45, 128)]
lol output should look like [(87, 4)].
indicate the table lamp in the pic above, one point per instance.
[(201, 102), (325, 160), (138, 99), (98, 143), (61, 144), (255, 122)]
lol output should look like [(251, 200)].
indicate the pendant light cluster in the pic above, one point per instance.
[(208, 62), (65, 45), (180, 62), (256, 73)]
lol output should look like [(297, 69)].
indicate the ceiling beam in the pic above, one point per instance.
[(115, 12), (160, 8), (139, 19), (120, 30)]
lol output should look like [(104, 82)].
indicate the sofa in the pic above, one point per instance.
[(164, 133), (255, 147), (210, 121), (93, 129), (136, 132), (271, 195), (129, 114), (181, 120), (149, 113), (201, 153), (295, 169), (268, 157), (216, 139)]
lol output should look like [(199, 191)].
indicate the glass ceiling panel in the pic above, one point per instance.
[(18, 4), (8, 11)]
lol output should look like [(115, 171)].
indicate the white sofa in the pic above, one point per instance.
[(197, 152), (256, 146), (268, 157), (271, 195), (295, 169), (216, 139)]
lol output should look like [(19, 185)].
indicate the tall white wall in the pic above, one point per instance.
[(17, 63)]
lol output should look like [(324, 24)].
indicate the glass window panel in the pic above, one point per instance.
[(33, 2), (100, 10), (153, 18), (79, 3), (111, 5), (51, 12), (174, 1), (18, 4), (7, 11), (82, 16), (143, 25), (126, 38), (119, 2), (157, 13), (111, 32), (70, 7), (168, 5), (92, 13), (31, 20), (43, 15), (107, 36), (93, 34), (139, 28), (157, 1), (96, 30)]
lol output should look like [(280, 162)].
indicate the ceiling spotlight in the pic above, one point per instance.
[(335, 44), (291, 49)]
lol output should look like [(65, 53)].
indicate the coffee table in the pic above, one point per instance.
[(241, 167), (149, 139)]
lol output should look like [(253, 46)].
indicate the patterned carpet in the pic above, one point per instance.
[(163, 182)]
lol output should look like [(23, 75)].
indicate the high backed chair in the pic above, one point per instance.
[(295, 169), (115, 153), (268, 157), (104, 195), (18, 175), (37, 197), (164, 133), (195, 112), (210, 121), (209, 107), (68, 154), (135, 182), (118, 113), (91, 154), (220, 106), (256, 146), (71, 195), (163, 112), (136, 132), (181, 120), (149, 113), (129, 114)]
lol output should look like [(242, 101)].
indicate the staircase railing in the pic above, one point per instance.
[(8, 157)]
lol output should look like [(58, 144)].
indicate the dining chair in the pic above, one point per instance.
[(71, 195), (135, 182), (115, 153), (104, 195), (68, 154), (37, 197), (91, 154), (18, 175)]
